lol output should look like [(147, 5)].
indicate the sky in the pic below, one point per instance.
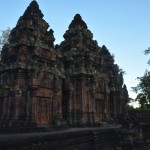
[(123, 26)]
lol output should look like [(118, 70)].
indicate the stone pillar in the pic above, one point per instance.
[(71, 105), (8, 108), (34, 100), (17, 107), (92, 107), (114, 104), (85, 101), (88, 108), (118, 100), (28, 105), (53, 107), (57, 103), (106, 110), (3, 108)]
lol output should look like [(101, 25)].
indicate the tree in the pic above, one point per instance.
[(129, 106), (143, 101), (143, 88), (4, 37), (146, 52)]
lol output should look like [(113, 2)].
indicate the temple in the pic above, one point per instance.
[(75, 83)]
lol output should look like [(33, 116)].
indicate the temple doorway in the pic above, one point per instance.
[(43, 113), (100, 109)]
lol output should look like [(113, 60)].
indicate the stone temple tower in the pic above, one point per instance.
[(81, 62), (93, 83), (31, 73), (75, 83)]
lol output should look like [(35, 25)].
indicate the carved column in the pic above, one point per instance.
[(106, 110), (17, 107), (8, 109), (71, 102), (114, 104), (4, 108)]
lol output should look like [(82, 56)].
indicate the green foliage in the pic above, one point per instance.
[(143, 101), (146, 52), (130, 107), (122, 72), (130, 100), (143, 88), (4, 37)]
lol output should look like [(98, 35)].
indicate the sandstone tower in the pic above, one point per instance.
[(93, 83), (31, 73), (76, 83)]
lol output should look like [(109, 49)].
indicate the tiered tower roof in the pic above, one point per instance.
[(32, 28)]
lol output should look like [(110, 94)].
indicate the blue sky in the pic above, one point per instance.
[(122, 25)]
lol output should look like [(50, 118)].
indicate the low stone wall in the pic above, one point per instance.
[(108, 138), (71, 139), (146, 131), (143, 116)]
